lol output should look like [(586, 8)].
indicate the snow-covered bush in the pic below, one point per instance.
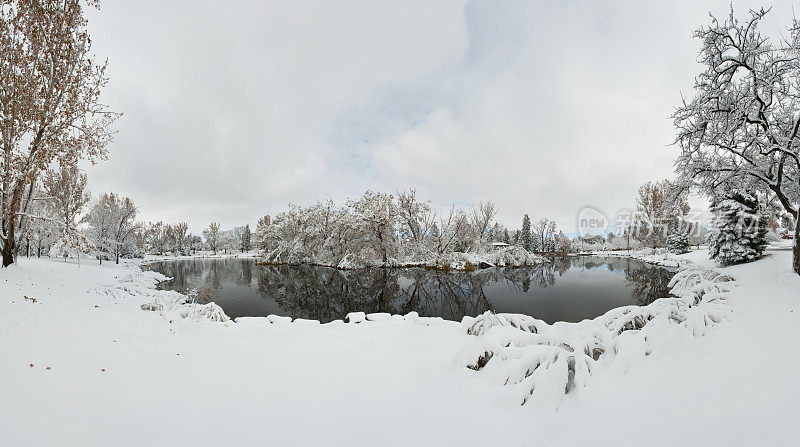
[(739, 230), (514, 256), (455, 261), (545, 362), (678, 239), (201, 312)]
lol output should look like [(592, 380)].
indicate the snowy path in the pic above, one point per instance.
[(385, 383)]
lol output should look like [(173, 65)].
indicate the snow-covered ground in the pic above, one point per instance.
[(122, 376), (651, 256)]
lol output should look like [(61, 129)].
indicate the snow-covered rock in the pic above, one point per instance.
[(355, 317), (251, 321), (305, 322), (277, 319)]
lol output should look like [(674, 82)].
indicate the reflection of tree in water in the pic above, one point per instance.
[(325, 294), (561, 264), (649, 283), (206, 275), (451, 295), (246, 276)]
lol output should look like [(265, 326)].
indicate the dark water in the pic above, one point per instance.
[(567, 289)]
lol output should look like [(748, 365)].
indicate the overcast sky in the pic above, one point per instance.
[(232, 109)]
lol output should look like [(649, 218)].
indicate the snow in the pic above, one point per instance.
[(544, 362), (507, 256), (378, 316), (355, 317), (651, 256), (277, 319), (123, 376)]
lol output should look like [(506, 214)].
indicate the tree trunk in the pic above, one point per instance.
[(796, 244), (9, 246), (8, 253)]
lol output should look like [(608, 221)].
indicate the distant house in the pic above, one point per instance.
[(499, 245)]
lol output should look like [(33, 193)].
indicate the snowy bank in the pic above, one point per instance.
[(652, 256), (542, 361), (105, 372), (511, 256)]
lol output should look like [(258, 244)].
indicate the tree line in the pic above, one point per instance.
[(385, 229)]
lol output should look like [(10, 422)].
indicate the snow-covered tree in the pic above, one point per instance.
[(416, 218), (678, 238), (453, 229), (263, 227), (123, 211), (376, 214), (156, 237), (523, 238), (66, 190), (740, 131), (176, 237), (40, 229), (739, 229), (229, 241), (562, 243), (245, 245), (112, 226), (658, 205), (193, 243), (496, 233), (100, 223), (544, 231), (481, 218), (49, 101), (211, 235), (376, 229)]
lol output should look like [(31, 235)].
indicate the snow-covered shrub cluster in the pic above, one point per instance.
[(738, 231), (379, 229), (513, 256), (545, 362), (208, 311), (171, 305), (678, 239)]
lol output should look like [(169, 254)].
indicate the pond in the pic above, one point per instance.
[(566, 289)]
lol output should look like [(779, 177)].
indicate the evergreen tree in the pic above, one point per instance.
[(739, 230), (506, 237), (678, 238), (524, 236), (246, 239)]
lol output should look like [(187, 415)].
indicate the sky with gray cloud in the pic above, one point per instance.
[(234, 109)]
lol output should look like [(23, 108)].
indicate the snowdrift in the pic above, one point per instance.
[(545, 362)]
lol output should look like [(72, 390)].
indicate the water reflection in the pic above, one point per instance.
[(566, 289)]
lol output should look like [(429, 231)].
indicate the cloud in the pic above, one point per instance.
[(229, 108), (235, 109)]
